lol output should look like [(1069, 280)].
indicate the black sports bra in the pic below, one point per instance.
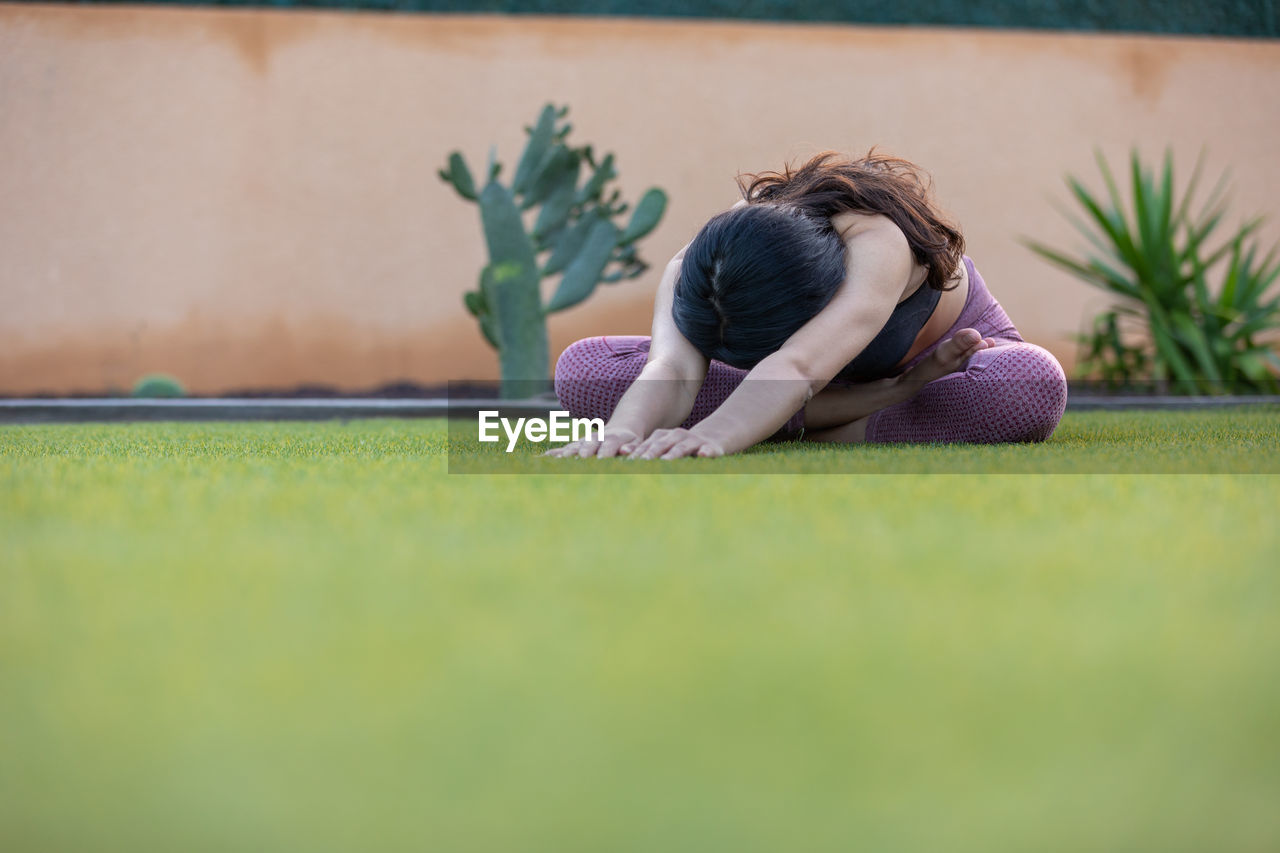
[(881, 357)]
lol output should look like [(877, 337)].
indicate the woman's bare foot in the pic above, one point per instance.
[(950, 356), (840, 414)]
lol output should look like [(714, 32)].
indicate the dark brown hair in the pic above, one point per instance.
[(832, 183), (751, 277)]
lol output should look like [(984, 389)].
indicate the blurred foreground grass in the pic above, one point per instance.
[(310, 637)]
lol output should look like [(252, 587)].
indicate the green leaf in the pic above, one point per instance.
[(477, 303), (1094, 273), (647, 214), (494, 167), (541, 137), (503, 228), (629, 263), (1190, 191), (1117, 202), (594, 186), (1227, 298), (1142, 204), (560, 165), (489, 328), (569, 243), (1253, 365), (583, 274), (559, 202), (1166, 345), (459, 175), (1113, 226), (1256, 278), (1194, 339), (1167, 223)]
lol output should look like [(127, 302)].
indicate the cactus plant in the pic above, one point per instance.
[(556, 219)]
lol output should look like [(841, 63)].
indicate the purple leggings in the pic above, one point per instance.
[(1014, 391)]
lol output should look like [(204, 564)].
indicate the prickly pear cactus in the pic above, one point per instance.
[(557, 219)]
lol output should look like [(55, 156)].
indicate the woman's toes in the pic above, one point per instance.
[(955, 347)]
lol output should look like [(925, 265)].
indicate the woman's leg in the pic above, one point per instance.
[(594, 373), (1012, 392)]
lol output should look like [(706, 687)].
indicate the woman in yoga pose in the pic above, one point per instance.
[(833, 303)]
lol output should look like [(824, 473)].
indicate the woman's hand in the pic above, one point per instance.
[(616, 442), (674, 444)]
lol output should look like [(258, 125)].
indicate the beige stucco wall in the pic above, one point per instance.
[(248, 198)]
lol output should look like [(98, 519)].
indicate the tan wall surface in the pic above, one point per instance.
[(248, 198)]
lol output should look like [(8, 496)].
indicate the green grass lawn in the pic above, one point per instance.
[(312, 637)]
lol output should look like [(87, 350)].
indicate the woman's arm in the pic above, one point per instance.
[(833, 410), (836, 407), (663, 393), (879, 269)]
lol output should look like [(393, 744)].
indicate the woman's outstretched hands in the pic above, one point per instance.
[(616, 442), (662, 444), (674, 444)]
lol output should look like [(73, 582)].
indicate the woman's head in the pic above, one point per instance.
[(831, 183), (752, 277)]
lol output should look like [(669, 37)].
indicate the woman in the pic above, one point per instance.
[(834, 303)]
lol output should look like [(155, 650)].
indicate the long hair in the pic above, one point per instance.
[(752, 277), (831, 183)]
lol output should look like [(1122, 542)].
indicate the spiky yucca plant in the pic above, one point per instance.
[(1201, 310)]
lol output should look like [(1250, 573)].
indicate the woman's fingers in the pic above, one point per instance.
[(660, 442), (653, 446), (566, 450), (642, 447), (610, 447), (676, 444), (688, 447)]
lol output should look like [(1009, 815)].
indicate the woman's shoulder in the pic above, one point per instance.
[(850, 224), (857, 230), (873, 233)]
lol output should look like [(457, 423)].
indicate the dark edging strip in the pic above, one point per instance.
[(1240, 18), (225, 409)]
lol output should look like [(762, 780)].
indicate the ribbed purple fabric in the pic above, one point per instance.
[(593, 374), (1015, 391)]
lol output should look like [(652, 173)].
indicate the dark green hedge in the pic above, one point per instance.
[(1250, 18)]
